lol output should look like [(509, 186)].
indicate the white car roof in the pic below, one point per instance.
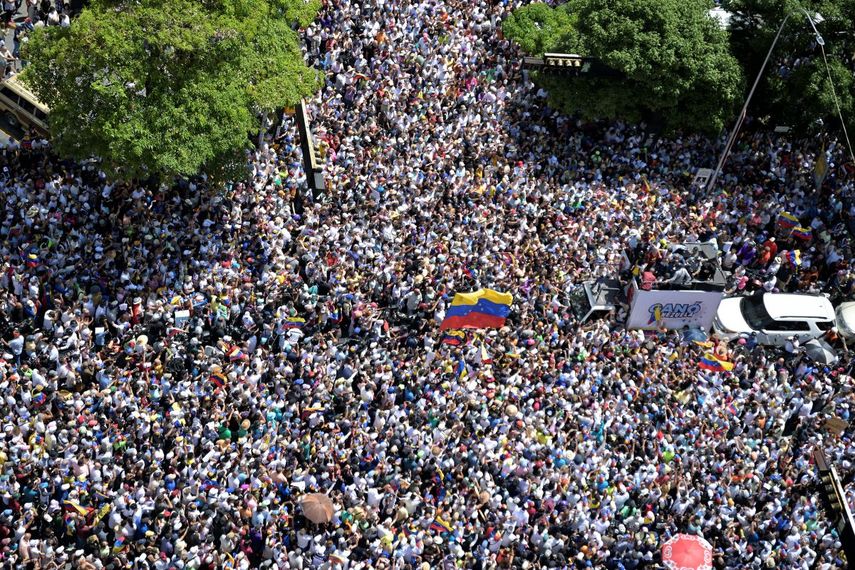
[(846, 311), (792, 306)]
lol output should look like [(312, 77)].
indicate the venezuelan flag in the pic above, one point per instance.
[(454, 337), (802, 233), (786, 220), (33, 259), (236, 354), (795, 258), (218, 379), (438, 477), (461, 371), (480, 309), (294, 323), (71, 506), (102, 512), (440, 525), (710, 362)]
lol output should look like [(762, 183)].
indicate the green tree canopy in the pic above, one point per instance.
[(796, 77), (676, 60), (538, 28), (169, 88)]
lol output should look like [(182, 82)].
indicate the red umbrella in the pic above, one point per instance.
[(687, 552)]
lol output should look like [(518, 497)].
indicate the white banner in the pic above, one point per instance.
[(676, 309)]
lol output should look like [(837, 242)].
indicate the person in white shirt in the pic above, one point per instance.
[(16, 345)]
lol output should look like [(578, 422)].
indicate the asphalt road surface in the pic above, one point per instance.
[(7, 129)]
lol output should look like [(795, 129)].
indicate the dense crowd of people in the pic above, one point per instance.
[(181, 364), (20, 18)]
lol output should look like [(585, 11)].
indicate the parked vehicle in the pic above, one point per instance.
[(845, 319), (675, 306), (21, 107), (595, 299), (775, 317)]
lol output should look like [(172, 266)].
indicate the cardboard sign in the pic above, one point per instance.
[(836, 425)]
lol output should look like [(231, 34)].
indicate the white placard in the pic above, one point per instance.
[(702, 176), (181, 317), (677, 308)]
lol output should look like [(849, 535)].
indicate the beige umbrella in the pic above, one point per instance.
[(317, 507)]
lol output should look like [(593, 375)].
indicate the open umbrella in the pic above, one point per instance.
[(694, 335), (317, 507), (687, 552), (820, 351)]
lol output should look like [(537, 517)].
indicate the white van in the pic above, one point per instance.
[(774, 317)]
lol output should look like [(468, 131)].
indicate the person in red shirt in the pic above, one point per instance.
[(648, 280), (773, 247), (765, 256)]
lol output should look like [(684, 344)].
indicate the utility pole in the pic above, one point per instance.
[(742, 114), (314, 170)]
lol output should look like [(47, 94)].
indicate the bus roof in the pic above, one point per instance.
[(19, 87)]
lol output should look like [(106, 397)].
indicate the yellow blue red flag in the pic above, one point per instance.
[(454, 337), (481, 309), (711, 362)]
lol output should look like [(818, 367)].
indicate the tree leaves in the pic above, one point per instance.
[(675, 59), (796, 77), (170, 91), (539, 29)]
